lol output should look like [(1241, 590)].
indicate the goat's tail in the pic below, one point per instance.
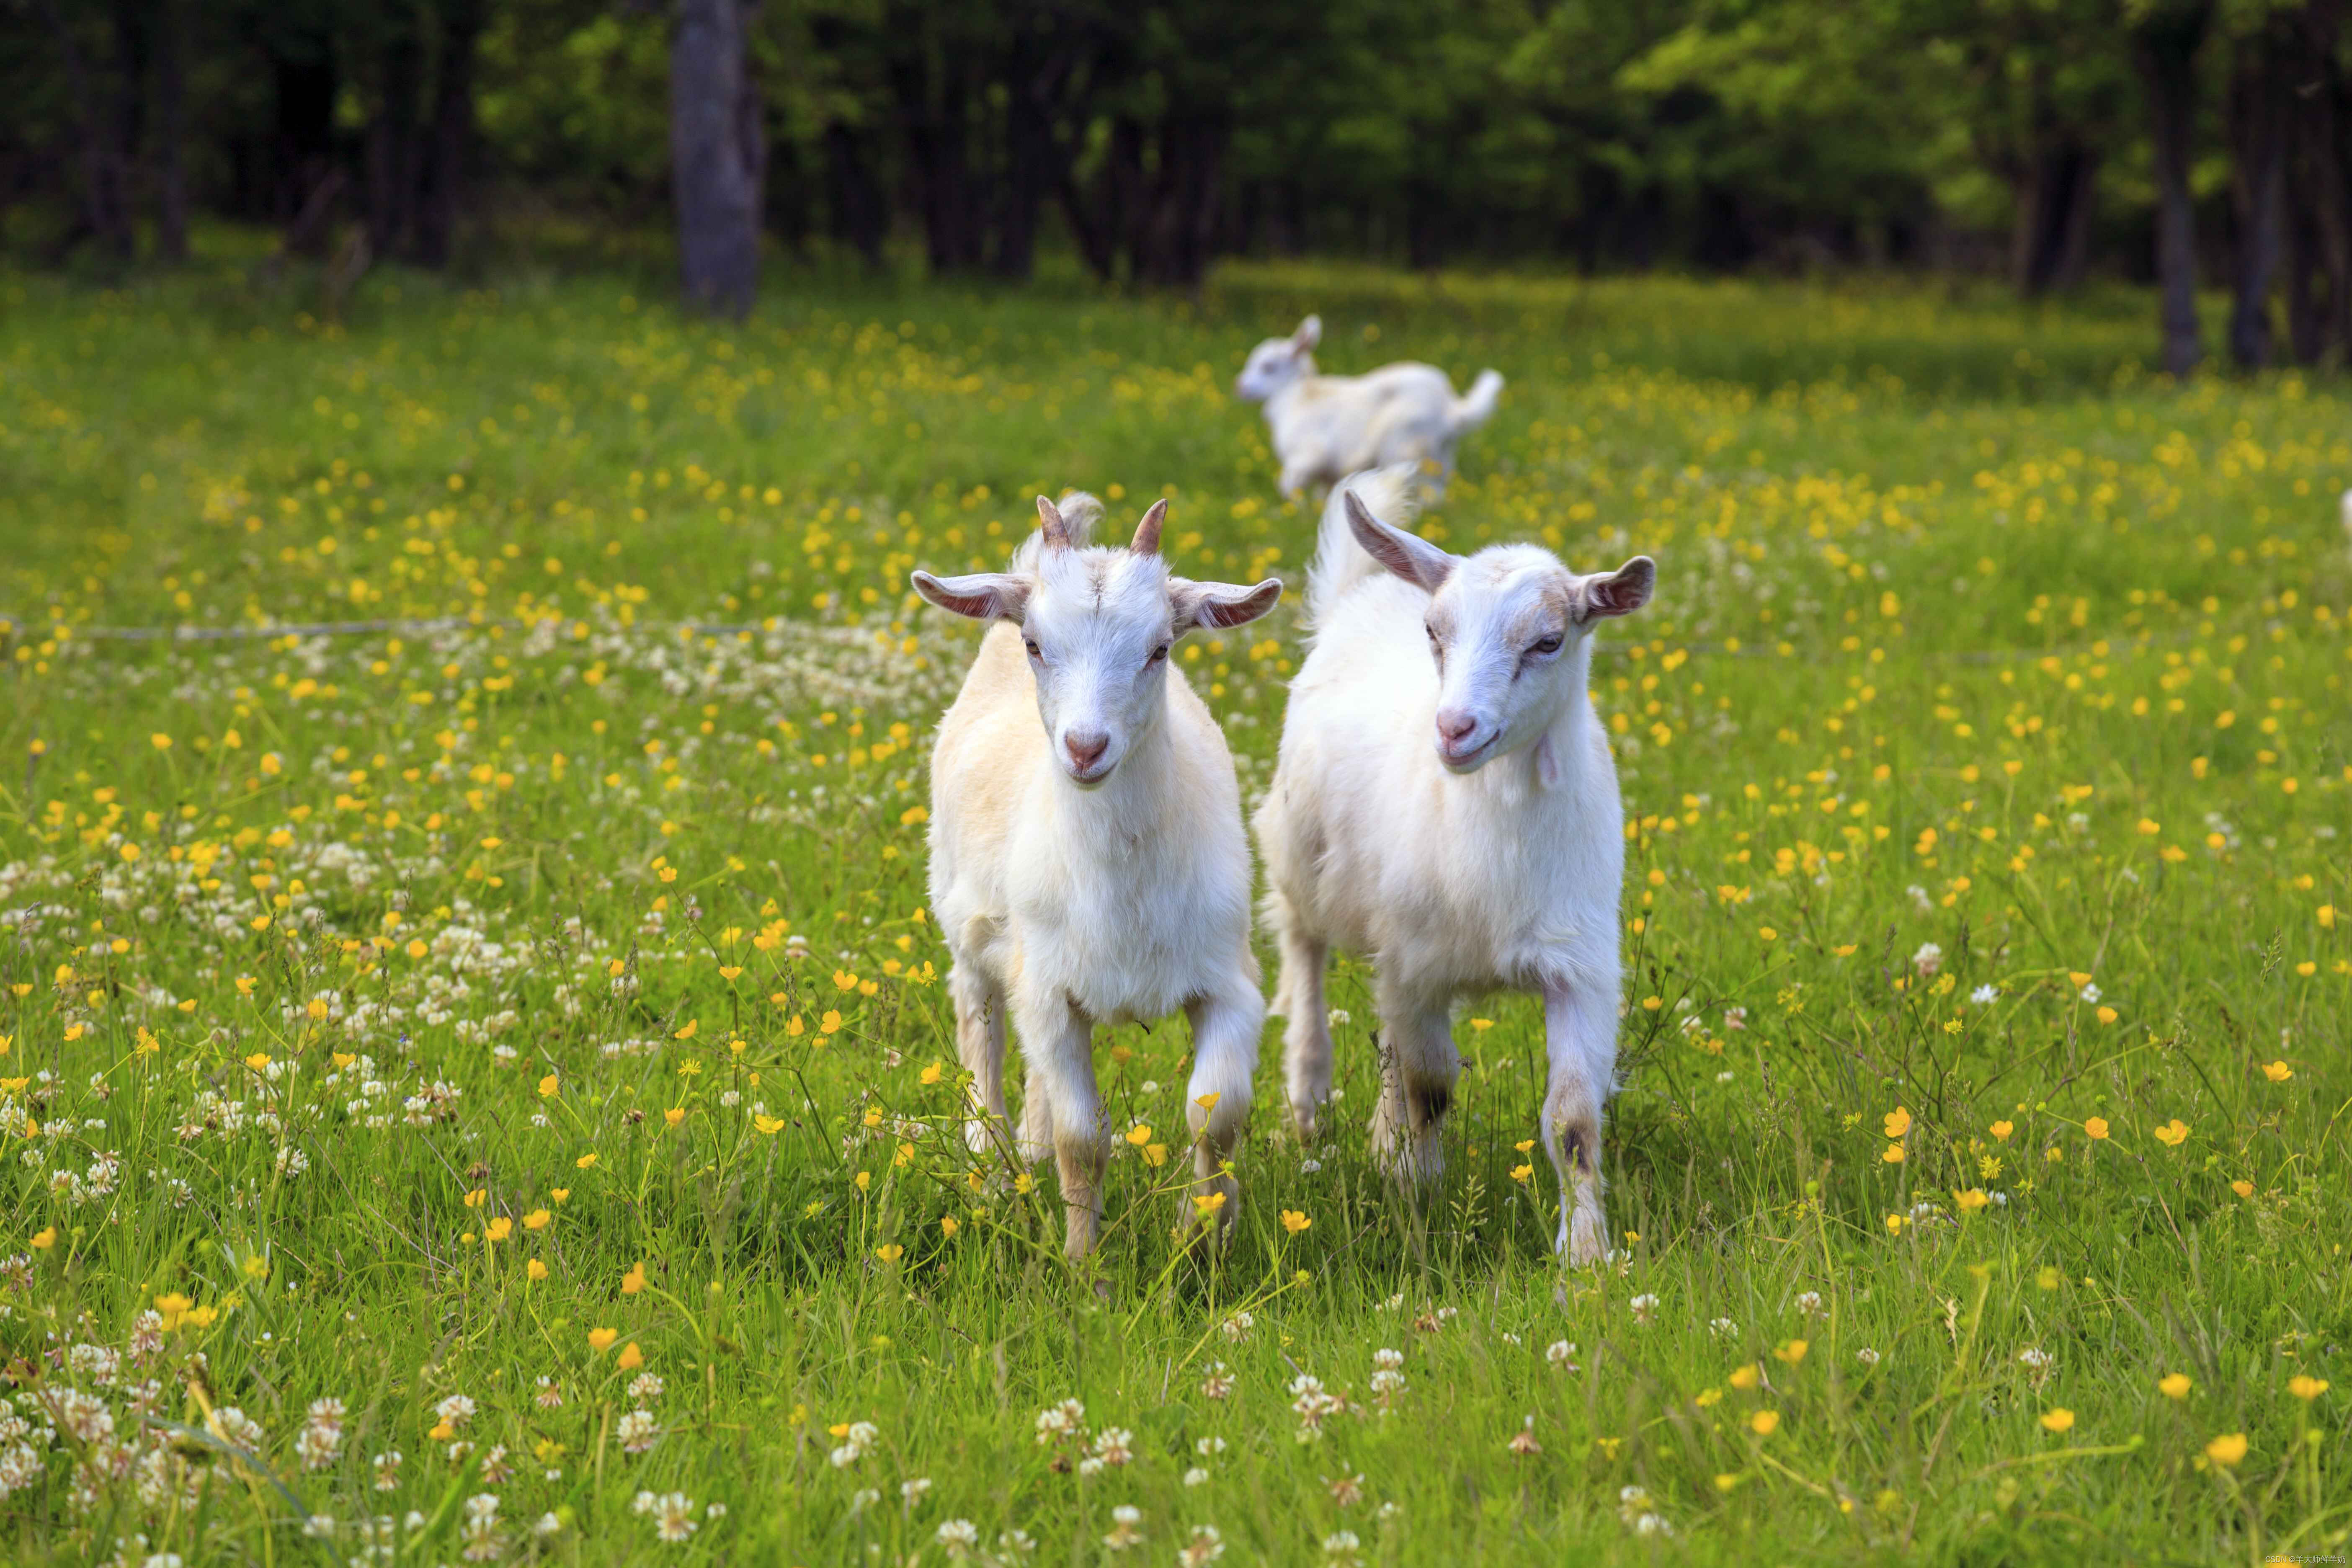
[(1478, 405), (1392, 494), (1080, 512)]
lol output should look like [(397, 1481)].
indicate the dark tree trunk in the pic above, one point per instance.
[(393, 162), (442, 189), (718, 156), (170, 127), (2319, 217), (2055, 201), (126, 129), (2257, 110), (1177, 220), (104, 216), (304, 87), (1034, 158), (861, 212), (2167, 49), (1105, 218), (939, 144), (1425, 228)]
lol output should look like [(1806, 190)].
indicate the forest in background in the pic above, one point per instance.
[(2191, 144)]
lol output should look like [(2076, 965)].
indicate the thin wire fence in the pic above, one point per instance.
[(13, 627)]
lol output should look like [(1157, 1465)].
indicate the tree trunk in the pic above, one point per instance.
[(939, 143), (2256, 115), (2056, 198), (126, 129), (718, 156), (393, 169), (2166, 48), (2319, 217), (861, 212), (1176, 222), (1034, 158), (170, 127), (441, 190), (304, 89), (1104, 218), (102, 216)]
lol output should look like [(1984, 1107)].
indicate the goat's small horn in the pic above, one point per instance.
[(1049, 522), (1146, 532)]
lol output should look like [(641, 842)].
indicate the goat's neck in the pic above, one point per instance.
[(1553, 765)]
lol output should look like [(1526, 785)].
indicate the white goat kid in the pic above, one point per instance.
[(1327, 427), (1446, 805), (1093, 868)]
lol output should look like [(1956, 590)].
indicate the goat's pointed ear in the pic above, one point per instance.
[(1618, 593), (982, 596), (1408, 555), (1146, 532), (1309, 334), (1219, 604)]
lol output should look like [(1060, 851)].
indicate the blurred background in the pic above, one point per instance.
[(2036, 146)]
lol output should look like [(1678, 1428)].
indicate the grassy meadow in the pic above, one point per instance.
[(481, 1089)]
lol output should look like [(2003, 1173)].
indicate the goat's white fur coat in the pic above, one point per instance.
[(1446, 805), (1327, 427), (1092, 868)]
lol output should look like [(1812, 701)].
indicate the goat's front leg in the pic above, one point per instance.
[(1418, 1068), (1580, 1039), (980, 1046), (1307, 1033), (1225, 1029), (1058, 1041)]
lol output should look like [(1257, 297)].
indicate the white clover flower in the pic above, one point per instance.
[(1205, 1547), (1985, 995), (1929, 959)]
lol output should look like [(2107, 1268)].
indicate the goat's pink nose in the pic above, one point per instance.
[(1086, 747), (1453, 724)]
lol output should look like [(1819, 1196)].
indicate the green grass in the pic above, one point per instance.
[(1970, 632)]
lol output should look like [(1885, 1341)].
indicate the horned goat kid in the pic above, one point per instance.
[(1089, 863), (1326, 427), (1453, 814)]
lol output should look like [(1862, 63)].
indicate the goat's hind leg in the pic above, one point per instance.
[(1307, 1031)]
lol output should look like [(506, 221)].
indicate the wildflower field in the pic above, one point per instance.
[(480, 1088)]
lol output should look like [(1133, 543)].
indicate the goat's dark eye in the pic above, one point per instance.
[(1158, 653), (1550, 645), (1032, 650)]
